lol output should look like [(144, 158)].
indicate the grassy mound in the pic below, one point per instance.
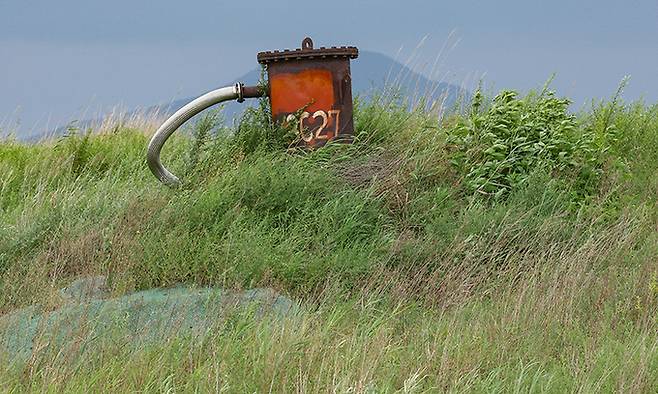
[(510, 247)]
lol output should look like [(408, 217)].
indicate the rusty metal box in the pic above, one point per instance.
[(314, 88)]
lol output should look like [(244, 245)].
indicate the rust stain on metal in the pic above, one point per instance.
[(312, 88), (253, 91), (317, 83)]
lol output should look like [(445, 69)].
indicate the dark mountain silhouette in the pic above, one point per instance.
[(371, 73)]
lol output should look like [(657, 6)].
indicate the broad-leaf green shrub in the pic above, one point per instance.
[(496, 148)]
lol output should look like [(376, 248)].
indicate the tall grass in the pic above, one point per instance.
[(411, 279)]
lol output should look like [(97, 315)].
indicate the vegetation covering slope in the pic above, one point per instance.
[(509, 247)]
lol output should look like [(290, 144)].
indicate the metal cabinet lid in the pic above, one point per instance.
[(307, 52)]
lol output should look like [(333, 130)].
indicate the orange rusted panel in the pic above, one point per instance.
[(309, 89)]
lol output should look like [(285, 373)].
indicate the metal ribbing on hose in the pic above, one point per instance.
[(175, 121)]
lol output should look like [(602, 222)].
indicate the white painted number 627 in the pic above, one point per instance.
[(325, 121)]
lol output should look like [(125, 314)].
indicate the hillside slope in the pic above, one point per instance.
[(511, 248)]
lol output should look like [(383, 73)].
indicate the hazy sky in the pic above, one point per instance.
[(66, 59)]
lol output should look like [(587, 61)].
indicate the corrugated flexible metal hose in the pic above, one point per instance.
[(176, 120)]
